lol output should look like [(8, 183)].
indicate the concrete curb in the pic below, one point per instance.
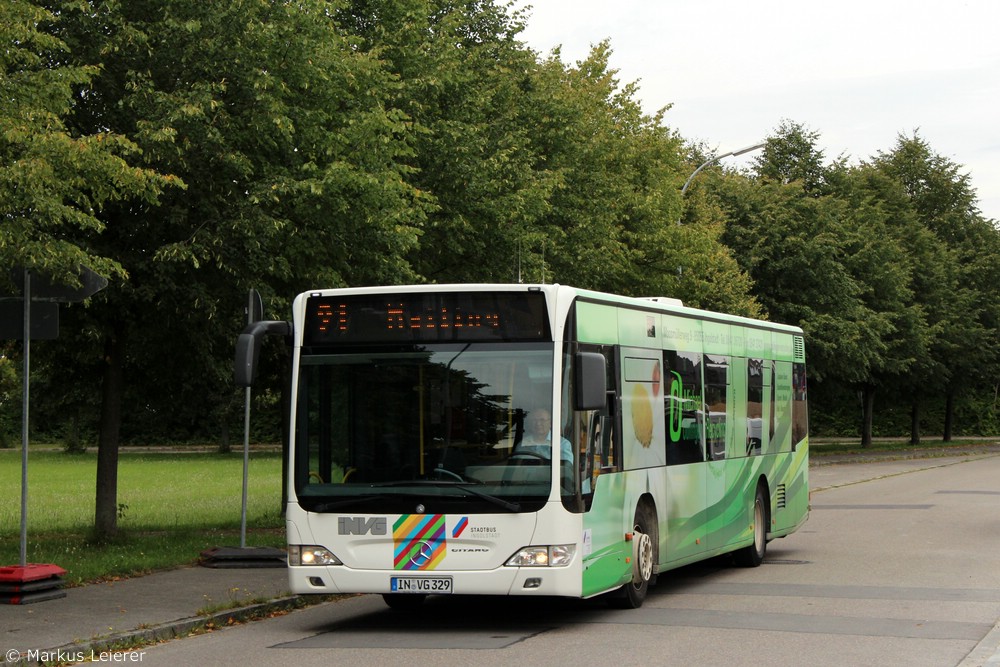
[(987, 652)]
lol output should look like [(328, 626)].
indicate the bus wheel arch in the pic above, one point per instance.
[(753, 554), (644, 558)]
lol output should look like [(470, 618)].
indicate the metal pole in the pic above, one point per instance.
[(246, 441), (24, 419), (698, 170), (740, 151)]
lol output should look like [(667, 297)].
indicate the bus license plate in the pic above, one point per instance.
[(426, 585)]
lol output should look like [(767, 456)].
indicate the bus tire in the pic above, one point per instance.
[(753, 555), (644, 541)]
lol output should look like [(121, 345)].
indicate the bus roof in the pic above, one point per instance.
[(654, 304)]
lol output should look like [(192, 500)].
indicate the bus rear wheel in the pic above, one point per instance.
[(753, 555)]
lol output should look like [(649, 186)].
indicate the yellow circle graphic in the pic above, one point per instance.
[(642, 415)]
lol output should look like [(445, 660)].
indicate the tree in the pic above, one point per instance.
[(611, 220), (791, 155), (54, 182), (9, 395), (616, 191), (537, 170), (463, 84), (959, 288), (709, 274), (822, 256), (294, 172), (889, 265)]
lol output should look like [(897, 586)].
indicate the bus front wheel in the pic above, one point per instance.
[(644, 538)]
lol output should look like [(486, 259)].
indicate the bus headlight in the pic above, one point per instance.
[(311, 555), (557, 555)]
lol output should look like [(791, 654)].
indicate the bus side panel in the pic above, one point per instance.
[(597, 323), (606, 551), (786, 476), (742, 475), (791, 502), (604, 547), (684, 520)]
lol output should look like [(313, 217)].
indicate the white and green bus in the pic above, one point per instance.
[(420, 461)]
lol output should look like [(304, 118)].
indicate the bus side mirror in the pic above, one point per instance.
[(245, 365), (248, 348), (589, 382)]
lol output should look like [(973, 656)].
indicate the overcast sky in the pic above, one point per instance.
[(858, 72)]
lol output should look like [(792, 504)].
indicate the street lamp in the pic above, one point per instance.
[(740, 151)]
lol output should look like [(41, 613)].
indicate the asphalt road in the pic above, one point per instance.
[(899, 564)]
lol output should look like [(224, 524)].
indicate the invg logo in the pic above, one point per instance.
[(351, 525)]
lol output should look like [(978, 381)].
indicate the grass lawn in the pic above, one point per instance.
[(171, 506)]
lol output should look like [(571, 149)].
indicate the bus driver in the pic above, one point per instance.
[(537, 438)]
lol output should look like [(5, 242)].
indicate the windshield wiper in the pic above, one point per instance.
[(500, 502)]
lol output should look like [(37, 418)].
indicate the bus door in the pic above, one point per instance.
[(686, 492), (643, 431), (718, 412)]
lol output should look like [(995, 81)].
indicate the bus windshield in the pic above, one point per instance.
[(436, 427)]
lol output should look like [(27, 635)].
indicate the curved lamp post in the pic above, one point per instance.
[(715, 159)]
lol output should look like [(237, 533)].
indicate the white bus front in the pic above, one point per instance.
[(409, 470)]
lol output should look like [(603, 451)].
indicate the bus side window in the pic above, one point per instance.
[(716, 389), (682, 406), (800, 412), (755, 405)]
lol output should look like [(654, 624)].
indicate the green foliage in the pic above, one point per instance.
[(461, 80), (813, 262), (55, 182), (190, 150), (294, 169), (10, 398), (871, 260), (609, 215), (959, 265), (791, 156)]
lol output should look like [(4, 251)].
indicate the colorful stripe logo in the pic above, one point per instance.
[(460, 527), (419, 541)]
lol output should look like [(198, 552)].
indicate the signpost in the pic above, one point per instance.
[(244, 556), (34, 582)]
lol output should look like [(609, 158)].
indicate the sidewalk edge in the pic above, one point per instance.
[(139, 637), (987, 651)]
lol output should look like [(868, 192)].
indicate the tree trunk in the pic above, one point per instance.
[(74, 445), (106, 506), (949, 407), (915, 422), (868, 408), (224, 446)]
